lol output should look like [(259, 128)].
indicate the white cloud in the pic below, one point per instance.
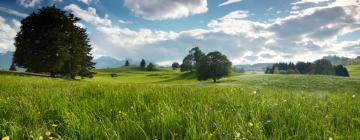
[(88, 2), (166, 9), (29, 3), (13, 12), (124, 21), (309, 1), (129, 38), (229, 2), (238, 14), (7, 34), (89, 15), (305, 36)]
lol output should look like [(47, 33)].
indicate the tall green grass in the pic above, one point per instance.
[(153, 107)]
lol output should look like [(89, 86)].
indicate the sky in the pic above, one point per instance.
[(163, 31)]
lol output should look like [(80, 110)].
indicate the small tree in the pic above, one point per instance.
[(142, 64), (340, 70), (214, 65), (127, 63), (175, 65), (151, 67), (13, 66)]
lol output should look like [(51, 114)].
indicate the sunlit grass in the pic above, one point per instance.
[(167, 105)]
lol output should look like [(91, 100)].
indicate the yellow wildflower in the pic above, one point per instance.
[(48, 133), (51, 138), (54, 125), (330, 138), (5, 138), (251, 124)]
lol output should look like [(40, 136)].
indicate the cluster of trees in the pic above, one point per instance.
[(213, 65), (49, 41), (321, 67), (149, 67)]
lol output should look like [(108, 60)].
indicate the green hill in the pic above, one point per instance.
[(354, 70), (168, 104)]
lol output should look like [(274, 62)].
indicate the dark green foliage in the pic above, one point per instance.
[(304, 68), (151, 67), (175, 65), (190, 62), (187, 64), (142, 64), (50, 42), (213, 66), (323, 67), (340, 70), (127, 63), (13, 66), (268, 71), (320, 67)]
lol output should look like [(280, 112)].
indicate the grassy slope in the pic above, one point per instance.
[(354, 70), (168, 104)]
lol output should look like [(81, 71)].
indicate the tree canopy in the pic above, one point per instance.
[(151, 67), (142, 64), (50, 42), (190, 62), (320, 67), (127, 63), (340, 70), (213, 66), (175, 65)]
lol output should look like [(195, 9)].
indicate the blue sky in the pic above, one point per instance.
[(247, 31)]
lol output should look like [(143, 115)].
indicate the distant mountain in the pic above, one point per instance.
[(108, 62), (337, 60), (5, 60)]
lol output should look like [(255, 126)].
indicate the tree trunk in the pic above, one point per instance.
[(214, 79), (52, 74)]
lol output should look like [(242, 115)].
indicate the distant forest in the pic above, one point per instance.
[(319, 67)]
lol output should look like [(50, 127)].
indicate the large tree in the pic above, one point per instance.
[(213, 66), (190, 62), (50, 42)]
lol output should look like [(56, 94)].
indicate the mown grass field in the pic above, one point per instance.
[(167, 104)]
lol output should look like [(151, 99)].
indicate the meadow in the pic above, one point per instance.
[(167, 104)]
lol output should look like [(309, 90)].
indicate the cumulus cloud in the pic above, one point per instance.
[(310, 1), (166, 9), (89, 15), (305, 36), (29, 3), (229, 2), (7, 34), (13, 12), (124, 21), (88, 2)]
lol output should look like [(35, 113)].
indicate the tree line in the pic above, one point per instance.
[(142, 65), (319, 67)]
